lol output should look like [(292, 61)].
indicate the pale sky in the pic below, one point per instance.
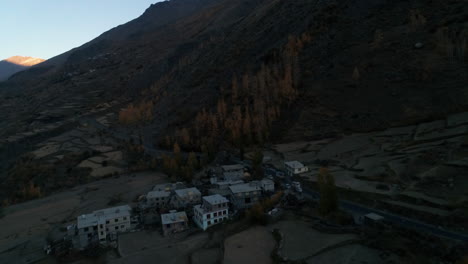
[(46, 28)]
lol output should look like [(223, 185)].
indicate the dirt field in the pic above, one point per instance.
[(253, 245), (353, 254), (25, 226), (147, 247), (301, 241)]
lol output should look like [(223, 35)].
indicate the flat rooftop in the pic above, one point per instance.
[(157, 194), (374, 216), (169, 186), (241, 188), (172, 218), (267, 181), (215, 199), (233, 167), (294, 164), (187, 192), (94, 218)]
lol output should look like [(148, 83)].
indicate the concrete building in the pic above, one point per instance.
[(212, 211), (233, 172), (226, 184), (158, 199), (174, 222), (295, 168), (245, 195), (184, 198), (267, 185), (98, 226)]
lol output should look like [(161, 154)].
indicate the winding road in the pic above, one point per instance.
[(395, 219), (352, 207)]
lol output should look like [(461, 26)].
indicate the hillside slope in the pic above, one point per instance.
[(197, 46), (249, 71)]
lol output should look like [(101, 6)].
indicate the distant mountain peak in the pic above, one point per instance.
[(15, 64), (24, 60)]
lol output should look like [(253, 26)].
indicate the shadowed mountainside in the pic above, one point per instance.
[(251, 71), (399, 61)]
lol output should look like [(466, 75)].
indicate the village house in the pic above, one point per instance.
[(226, 184), (245, 195), (295, 168), (158, 199), (233, 172), (267, 185), (100, 225), (212, 211), (184, 198), (174, 222)]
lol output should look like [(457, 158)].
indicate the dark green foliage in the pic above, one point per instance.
[(328, 194), (257, 160)]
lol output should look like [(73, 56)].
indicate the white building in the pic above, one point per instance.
[(99, 225), (295, 167), (267, 185), (212, 211), (186, 197)]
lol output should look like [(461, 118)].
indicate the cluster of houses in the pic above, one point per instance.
[(176, 204)]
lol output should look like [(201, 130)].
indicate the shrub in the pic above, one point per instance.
[(134, 114), (328, 194), (416, 19), (452, 43)]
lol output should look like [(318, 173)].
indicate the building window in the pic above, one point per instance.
[(107, 222), (125, 218), (168, 225), (209, 222), (248, 200), (116, 220), (116, 228), (102, 233), (208, 216), (216, 221), (101, 226), (86, 229), (94, 228), (215, 214), (122, 226)]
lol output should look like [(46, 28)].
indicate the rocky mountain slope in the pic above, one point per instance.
[(15, 64), (408, 60), (265, 70)]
